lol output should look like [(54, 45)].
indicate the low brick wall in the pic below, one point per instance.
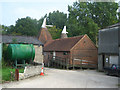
[(30, 71)]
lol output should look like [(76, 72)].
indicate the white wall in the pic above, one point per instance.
[(38, 54), (113, 60), (30, 71)]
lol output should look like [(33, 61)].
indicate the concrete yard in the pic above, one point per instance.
[(56, 78)]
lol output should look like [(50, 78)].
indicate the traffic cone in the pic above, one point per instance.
[(42, 74)]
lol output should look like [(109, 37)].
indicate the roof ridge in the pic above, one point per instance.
[(69, 37), (64, 44)]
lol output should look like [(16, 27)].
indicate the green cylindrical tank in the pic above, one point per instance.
[(20, 52)]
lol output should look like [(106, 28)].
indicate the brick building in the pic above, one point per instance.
[(69, 52), (77, 51)]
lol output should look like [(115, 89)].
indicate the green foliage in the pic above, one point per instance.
[(103, 13), (4, 53), (57, 18), (88, 17), (14, 40), (11, 30), (3, 29), (119, 17), (4, 63), (79, 21), (6, 73), (56, 33), (26, 26)]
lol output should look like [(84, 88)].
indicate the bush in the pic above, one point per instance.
[(4, 52), (6, 73)]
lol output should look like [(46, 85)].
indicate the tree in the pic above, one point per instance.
[(79, 21), (88, 17), (11, 29), (26, 26), (57, 18), (119, 17), (103, 13), (3, 29), (56, 33)]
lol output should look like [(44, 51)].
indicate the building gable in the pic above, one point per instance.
[(84, 44)]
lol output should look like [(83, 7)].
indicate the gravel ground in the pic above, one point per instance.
[(56, 78)]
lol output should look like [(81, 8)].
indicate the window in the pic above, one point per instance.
[(65, 53), (51, 52)]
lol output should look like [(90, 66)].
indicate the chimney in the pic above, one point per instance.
[(64, 33)]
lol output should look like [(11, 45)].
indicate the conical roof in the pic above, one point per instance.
[(44, 35)]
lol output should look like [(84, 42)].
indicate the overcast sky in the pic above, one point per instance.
[(11, 10)]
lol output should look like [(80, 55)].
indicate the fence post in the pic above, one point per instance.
[(81, 63), (16, 74), (48, 63), (61, 62), (88, 65), (66, 63), (73, 64)]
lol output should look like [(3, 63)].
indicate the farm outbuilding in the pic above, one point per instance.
[(11, 39), (77, 51), (67, 52), (109, 47)]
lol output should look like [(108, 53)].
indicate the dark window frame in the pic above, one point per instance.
[(65, 53)]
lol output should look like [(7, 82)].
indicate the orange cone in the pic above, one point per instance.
[(42, 74)]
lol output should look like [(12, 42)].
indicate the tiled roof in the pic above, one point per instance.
[(20, 39), (62, 44), (44, 35)]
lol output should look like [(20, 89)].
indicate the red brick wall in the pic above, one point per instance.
[(84, 50)]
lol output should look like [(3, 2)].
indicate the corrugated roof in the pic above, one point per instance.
[(109, 40), (62, 44), (20, 39)]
